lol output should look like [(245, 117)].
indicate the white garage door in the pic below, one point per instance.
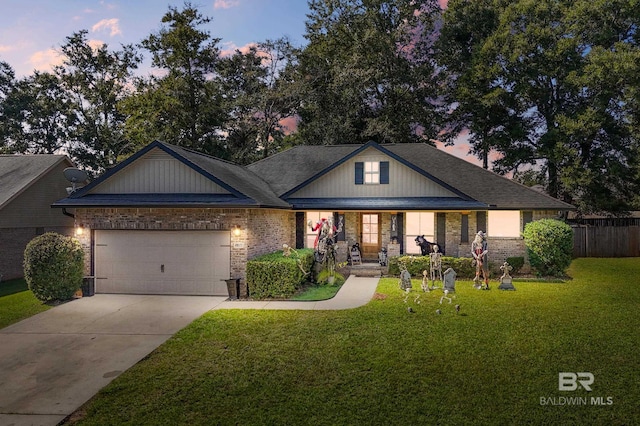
[(162, 262)]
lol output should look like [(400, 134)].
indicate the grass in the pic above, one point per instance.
[(17, 302), (380, 365), (317, 292)]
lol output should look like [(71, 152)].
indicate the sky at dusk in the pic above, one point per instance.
[(32, 31)]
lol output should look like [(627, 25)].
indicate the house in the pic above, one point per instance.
[(173, 221), (29, 184)]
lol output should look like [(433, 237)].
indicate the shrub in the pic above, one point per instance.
[(416, 264), (549, 244), (276, 276), (516, 262), (323, 278), (53, 266)]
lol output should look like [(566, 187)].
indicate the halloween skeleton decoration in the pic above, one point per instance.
[(324, 245), (425, 281), (435, 265), (445, 296), (425, 246), (479, 250)]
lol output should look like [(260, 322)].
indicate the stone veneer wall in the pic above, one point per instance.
[(262, 231)]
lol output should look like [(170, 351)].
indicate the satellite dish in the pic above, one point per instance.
[(74, 176)]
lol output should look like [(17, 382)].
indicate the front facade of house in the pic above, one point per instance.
[(172, 221)]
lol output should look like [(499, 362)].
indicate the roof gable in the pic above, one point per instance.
[(403, 181), (202, 181), (19, 172), (158, 172)]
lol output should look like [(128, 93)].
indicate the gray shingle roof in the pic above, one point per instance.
[(248, 189), (480, 184), (240, 178), (18, 172), (287, 170)]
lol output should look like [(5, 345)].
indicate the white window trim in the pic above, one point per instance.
[(371, 173)]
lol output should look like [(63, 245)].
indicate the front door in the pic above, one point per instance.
[(370, 235)]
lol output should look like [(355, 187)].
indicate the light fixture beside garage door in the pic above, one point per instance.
[(237, 231)]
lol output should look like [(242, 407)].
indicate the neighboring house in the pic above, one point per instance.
[(29, 184), (172, 221)]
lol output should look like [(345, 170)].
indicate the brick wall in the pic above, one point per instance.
[(261, 231), (13, 241)]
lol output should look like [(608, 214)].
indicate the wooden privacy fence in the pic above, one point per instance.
[(606, 241)]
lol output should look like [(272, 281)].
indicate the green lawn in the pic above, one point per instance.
[(380, 365), (17, 302), (317, 292)]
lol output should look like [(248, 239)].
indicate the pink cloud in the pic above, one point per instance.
[(108, 24), (225, 4), (45, 60), (229, 49), (290, 124)]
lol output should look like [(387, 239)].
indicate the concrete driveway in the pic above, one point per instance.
[(53, 362)]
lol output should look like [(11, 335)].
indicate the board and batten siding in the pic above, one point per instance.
[(32, 208), (403, 181), (158, 172)]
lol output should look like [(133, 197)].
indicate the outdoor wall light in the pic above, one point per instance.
[(79, 230), (236, 231)]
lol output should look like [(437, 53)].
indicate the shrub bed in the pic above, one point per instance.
[(275, 276), (416, 264)]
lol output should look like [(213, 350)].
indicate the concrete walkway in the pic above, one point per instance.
[(355, 292), (55, 361)]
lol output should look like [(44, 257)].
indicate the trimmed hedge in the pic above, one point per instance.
[(53, 266), (416, 264), (516, 262), (275, 276)]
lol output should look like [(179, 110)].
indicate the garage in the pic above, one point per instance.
[(162, 262)]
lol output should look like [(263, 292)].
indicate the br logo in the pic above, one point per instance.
[(570, 381)]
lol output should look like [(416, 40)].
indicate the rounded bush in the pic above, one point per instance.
[(549, 244), (53, 266)]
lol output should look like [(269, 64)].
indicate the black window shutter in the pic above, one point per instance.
[(527, 217), (359, 173), (481, 221), (384, 172), (301, 227), (441, 229), (464, 231)]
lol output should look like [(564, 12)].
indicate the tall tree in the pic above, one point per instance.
[(369, 72), (95, 80), (43, 113), (260, 92), (7, 83), (532, 62), (182, 104)]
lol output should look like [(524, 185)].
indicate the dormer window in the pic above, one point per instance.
[(372, 173)]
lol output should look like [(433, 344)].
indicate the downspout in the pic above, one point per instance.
[(66, 213)]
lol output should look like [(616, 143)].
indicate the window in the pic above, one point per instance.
[(372, 172), (418, 223), (504, 224), (314, 217), (370, 229)]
